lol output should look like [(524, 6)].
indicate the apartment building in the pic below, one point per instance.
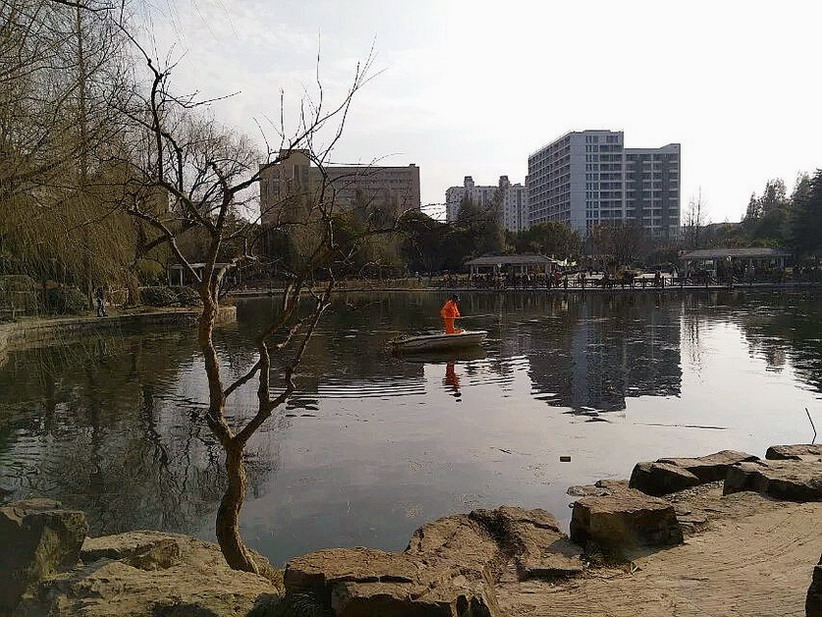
[(512, 205), (587, 178), (294, 180)]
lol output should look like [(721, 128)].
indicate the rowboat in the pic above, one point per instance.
[(439, 341)]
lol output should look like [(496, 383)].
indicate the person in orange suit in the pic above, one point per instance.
[(449, 312)]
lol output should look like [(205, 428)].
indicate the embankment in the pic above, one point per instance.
[(38, 332)]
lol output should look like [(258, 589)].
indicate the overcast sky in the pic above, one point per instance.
[(473, 87)]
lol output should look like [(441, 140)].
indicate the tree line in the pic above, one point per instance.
[(772, 219)]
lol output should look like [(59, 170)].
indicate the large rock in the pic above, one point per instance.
[(37, 539), (362, 582), (150, 574), (460, 537), (788, 480), (145, 550), (533, 540), (712, 467), (661, 478), (795, 452), (813, 601), (530, 540), (449, 568), (625, 520)]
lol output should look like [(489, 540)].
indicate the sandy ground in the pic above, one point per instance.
[(747, 556)]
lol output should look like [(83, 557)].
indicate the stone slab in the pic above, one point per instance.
[(626, 519), (787, 480), (659, 479), (795, 452), (712, 467)]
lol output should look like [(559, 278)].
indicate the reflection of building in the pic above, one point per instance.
[(587, 178), (511, 199), (295, 179), (606, 349)]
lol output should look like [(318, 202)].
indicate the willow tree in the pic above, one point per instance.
[(63, 68), (208, 177)]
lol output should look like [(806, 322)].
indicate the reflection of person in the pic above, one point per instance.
[(452, 379), (449, 312), (100, 296)]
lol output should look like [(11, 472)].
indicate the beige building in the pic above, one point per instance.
[(295, 182)]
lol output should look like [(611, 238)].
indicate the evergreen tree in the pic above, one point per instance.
[(806, 224)]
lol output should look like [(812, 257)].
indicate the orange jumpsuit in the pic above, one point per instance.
[(449, 312)]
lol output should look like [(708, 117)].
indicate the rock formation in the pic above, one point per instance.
[(668, 475), (791, 480), (795, 452), (38, 538), (625, 519), (813, 602), (449, 569), (149, 574)]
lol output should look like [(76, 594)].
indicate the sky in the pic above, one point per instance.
[(472, 87)]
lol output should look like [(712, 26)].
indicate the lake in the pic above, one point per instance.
[(372, 446)]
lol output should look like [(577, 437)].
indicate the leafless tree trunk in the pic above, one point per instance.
[(207, 175), (695, 221)]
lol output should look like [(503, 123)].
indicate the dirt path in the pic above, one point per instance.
[(756, 565)]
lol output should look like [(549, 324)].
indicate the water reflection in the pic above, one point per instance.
[(113, 426), (373, 444)]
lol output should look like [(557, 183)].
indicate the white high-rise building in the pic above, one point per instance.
[(512, 200), (587, 178)]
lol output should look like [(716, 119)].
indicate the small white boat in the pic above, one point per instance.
[(428, 342)]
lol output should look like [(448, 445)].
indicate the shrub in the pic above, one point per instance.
[(158, 296), (66, 301), (186, 296)]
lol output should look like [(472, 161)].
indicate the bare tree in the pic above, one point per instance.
[(622, 242), (695, 221), (209, 176)]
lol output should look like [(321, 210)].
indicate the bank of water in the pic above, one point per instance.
[(372, 446)]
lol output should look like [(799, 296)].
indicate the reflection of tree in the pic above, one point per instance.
[(781, 329), (786, 330), (106, 426)]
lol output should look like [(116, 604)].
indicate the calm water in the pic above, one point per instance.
[(374, 446)]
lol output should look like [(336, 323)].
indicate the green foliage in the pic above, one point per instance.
[(806, 225), (550, 238), (766, 219), (65, 301), (186, 296), (430, 246), (159, 296)]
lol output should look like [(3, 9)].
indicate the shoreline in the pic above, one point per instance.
[(669, 289), (676, 538), (31, 331)]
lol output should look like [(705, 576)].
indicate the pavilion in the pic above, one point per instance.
[(517, 264), (751, 258)]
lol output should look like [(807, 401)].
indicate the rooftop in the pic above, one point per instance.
[(509, 260), (743, 253)]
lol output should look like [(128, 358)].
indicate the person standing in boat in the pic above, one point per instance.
[(449, 313)]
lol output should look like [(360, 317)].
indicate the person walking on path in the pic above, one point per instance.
[(449, 313), (100, 296)]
